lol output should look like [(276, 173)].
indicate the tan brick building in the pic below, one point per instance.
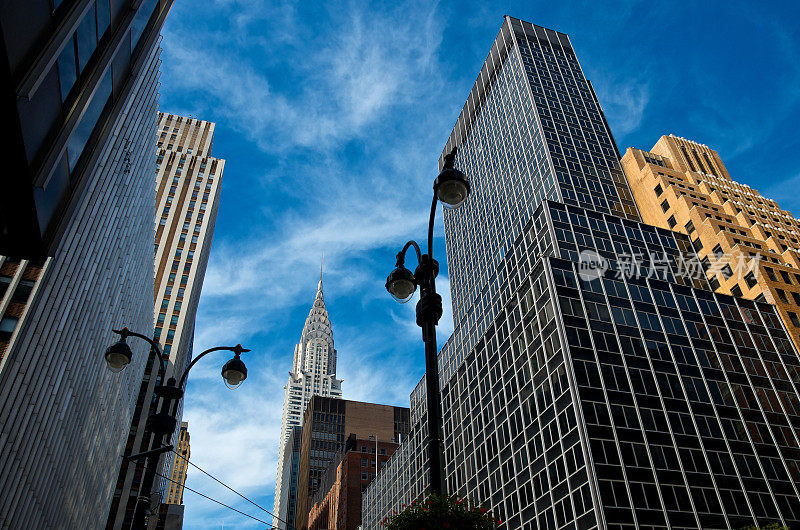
[(18, 280), (188, 185), (179, 467), (748, 245)]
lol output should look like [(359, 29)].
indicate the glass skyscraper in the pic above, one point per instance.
[(593, 379)]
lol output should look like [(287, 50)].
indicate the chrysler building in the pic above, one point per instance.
[(313, 373)]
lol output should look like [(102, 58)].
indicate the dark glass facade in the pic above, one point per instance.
[(622, 401), (66, 69), (628, 397)]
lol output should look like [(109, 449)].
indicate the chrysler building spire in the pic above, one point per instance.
[(313, 373)]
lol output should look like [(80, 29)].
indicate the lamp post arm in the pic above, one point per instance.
[(236, 349), (125, 332), (401, 256), (430, 225), (449, 162)]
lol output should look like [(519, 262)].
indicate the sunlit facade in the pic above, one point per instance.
[(749, 246), (188, 182)]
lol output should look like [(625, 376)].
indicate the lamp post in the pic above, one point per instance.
[(451, 188), (163, 422)]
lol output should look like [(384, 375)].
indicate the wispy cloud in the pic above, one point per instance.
[(320, 103), (346, 78), (624, 102)]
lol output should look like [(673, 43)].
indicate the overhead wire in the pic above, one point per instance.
[(214, 500), (288, 524)]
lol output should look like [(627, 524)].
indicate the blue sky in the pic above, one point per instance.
[(331, 118)]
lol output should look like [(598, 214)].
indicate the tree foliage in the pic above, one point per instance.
[(442, 511)]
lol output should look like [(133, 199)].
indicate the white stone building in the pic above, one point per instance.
[(313, 373)]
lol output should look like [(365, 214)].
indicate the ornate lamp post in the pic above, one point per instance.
[(451, 187), (163, 423)]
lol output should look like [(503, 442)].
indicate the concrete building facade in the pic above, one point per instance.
[(79, 84), (187, 192), (291, 472), (66, 69), (748, 245), (180, 467)]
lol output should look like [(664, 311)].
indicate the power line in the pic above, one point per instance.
[(288, 524), (214, 500)]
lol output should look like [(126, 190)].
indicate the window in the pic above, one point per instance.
[(782, 295), (658, 190), (8, 324), (82, 132), (23, 291), (67, 69), (786, 278), (665, 205), (771, 274), (671, 221), (736, 290), (86, 38), (689, 227), (750, 280), (717, 250)]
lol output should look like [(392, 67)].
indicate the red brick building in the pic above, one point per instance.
[(328, 424), (337, 503)]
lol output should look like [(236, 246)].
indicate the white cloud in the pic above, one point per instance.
[(349, 84), (347, 79), (233, 438), (623, 102)]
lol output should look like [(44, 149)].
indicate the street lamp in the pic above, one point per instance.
[(163, 423), (451, 188)]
